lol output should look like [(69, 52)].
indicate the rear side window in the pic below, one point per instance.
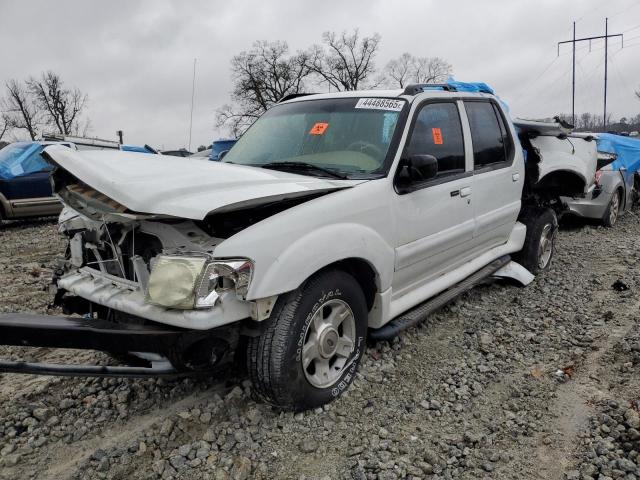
[(491, 142), (438, 132)]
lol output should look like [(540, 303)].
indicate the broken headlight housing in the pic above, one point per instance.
[(224, 275), (187, 282)]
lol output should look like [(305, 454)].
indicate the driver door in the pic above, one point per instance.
[(434, 217)]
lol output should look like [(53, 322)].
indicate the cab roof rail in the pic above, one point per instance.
[(416, 88), (291, 96)]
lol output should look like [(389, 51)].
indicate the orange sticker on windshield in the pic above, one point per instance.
[(318, 128), (437, 136)]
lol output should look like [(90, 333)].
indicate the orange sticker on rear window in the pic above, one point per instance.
[(318, 128), (437, 136)]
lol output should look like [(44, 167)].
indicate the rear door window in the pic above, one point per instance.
[(491, 141)]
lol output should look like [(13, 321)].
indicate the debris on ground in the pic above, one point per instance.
[(470, 394)]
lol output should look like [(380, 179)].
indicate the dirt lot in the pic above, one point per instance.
[(507, 382)]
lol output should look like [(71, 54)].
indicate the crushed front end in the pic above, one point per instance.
[(140, 287)]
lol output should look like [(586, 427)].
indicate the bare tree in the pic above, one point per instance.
[(62, 106), (638, 94), (432, 70), (21, 111), (4, 125), (262, 76), (398, 72), (346, 60), (408, 69), (586, 121)]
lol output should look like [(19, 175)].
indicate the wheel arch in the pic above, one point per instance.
[(5, 207), (562, 183), (363, 272), (355, 248)]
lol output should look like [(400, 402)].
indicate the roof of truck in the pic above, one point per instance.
[(399, 93), (450, 88)]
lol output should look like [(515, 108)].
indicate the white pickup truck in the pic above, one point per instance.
[(335, 217)]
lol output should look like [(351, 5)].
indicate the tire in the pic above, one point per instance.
[(302, 360), (539, 244), (611, 214)]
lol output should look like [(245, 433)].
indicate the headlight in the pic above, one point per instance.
[(173, 281), (196, 282), (220, 276)]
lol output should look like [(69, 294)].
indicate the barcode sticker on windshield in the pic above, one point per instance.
[(380, 104)]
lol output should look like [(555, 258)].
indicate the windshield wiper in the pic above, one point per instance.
[(302, 166)]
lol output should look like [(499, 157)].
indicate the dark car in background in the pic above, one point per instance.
[(25, 190), (182, 152)]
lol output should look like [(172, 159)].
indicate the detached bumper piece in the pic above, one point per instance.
[(28, 330)]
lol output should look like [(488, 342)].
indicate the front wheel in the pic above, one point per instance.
[(311, 347), (539, 244)]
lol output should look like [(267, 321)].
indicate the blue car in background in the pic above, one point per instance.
[(215, 150), (135, 148), (25, 190), (219, 146)]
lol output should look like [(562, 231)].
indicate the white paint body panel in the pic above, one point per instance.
[(185, 188), (573, 154), (517, 272), (417, 244)]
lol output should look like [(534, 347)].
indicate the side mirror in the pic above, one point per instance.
[(420, 167), (222, 154)]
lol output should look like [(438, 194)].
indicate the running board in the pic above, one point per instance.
[(164, 370), (420, 313)]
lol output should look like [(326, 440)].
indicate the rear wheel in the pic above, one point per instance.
[(539, 244), (310, 349), (612, 212)]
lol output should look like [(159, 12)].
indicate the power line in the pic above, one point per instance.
[(573, 42)]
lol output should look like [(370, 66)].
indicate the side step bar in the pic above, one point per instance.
[(165, 370), (420, 313)]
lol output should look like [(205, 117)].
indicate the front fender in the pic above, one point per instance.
[(309, 254)]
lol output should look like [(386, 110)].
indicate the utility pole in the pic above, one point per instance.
[(606, 44), (573, 83), (193, 91), (575, 40)]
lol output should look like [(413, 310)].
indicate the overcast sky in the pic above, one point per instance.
[(135, 58)]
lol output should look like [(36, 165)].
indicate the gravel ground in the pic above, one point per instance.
[(505, 383)]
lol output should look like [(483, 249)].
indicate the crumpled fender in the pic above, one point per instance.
[(274, 275)]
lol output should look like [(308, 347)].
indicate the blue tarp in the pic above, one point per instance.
[(627, 150), (21, 158), (478, 87), (475, 87)]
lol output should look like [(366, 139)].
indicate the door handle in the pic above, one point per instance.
[(465, 191), (515, 177)]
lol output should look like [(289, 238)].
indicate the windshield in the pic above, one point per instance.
[(350, 136), (20, 159)]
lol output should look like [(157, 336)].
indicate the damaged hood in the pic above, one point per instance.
[(182, 187)]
